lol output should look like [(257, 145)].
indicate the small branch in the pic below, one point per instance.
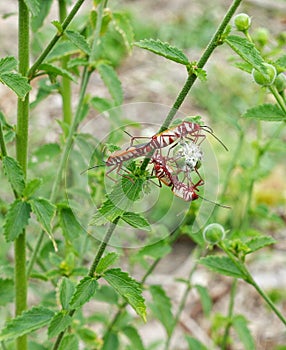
[(55, 39)]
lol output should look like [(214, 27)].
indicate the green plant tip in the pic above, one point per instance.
[(214, 233), (242, 22), (267, 78)]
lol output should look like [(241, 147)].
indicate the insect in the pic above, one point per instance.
[(168, 176), (169, 136)]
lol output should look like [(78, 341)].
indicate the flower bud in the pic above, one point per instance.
[(265, 79), (242, 22)]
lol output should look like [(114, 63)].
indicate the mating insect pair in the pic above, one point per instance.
[(187, 136)]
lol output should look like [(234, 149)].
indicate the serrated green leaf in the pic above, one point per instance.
[(31, 187), (62, 49), (121, 198), (14, 172), (195, 344), (78, 40), (29, 321), (84, 292), (66, 291), (113, 84), (205, 299), (257, 243), (101, 104), (163, 49), (155, 251), (136, 220), (33, 6), (72, 229), (106, 261), (223, 265), (267, 112), (247, 51), (17, 83), (7, 64), (122, 25), (55, 70), (162, 308), (128, 288), (240, 325), (69, 342), (37, 21), (16, 219), (59, 323), (44, 211), (134, 337), (6, 291), (106, 294)]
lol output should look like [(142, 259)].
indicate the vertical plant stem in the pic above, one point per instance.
[(102, 247), (278, 98), (66, 83), (21, 154), (2, 142), (230, 314)]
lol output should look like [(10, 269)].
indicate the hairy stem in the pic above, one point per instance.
[(21, 155)]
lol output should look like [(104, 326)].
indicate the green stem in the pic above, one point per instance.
[(249, 279), (278, 98), (66, 83), (55, 39), (2, 142), (230, 314), (102, 247), (21, 155), (214, 42), (267, 299), (197, 253)]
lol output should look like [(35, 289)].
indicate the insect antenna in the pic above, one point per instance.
[(93, 167), (215, 203), (210, 131)]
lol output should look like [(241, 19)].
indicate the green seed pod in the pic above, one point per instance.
[(280, 82), (214, 233), (242, 22), (267, 78)]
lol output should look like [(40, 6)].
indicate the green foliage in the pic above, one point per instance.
[(195, 344), (162, 308), (14, 173), (128, 288), (16, 219), (105, 262), (59, 323), (69, 224), (84, 292), (29, 321), (205, 299), (6, 291), (223, 265), (267, 112), (164, 49), (240, 326), (66, 291), (112, 82), (246, 51), (14, 81)]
